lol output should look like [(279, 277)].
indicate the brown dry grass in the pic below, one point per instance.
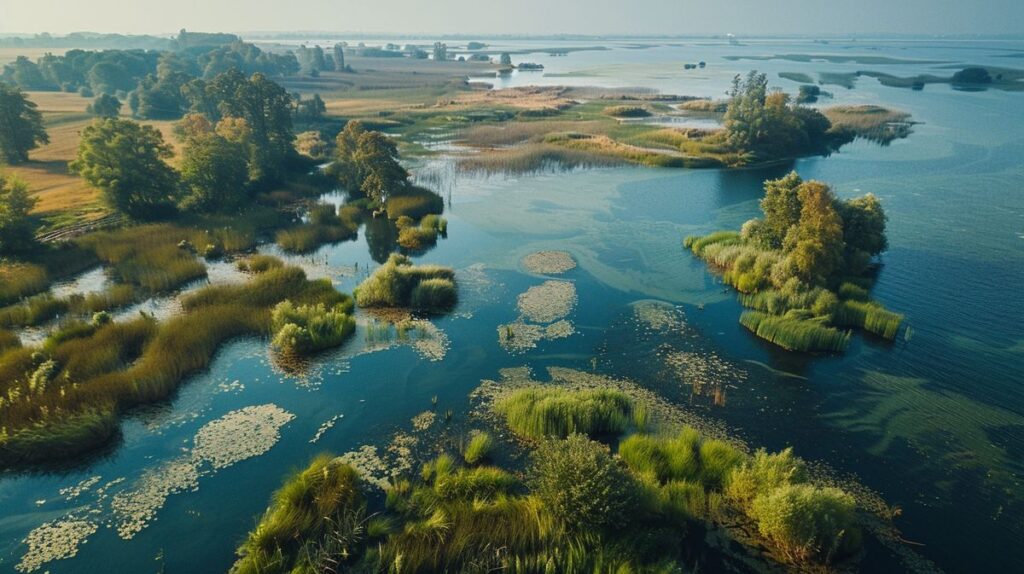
[(525, 98), (63, 197)]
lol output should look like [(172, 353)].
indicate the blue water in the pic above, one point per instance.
[(933, 422)]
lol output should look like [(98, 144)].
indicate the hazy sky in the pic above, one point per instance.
[(519, 16)]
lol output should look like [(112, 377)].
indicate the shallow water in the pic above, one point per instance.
[(935, 422)]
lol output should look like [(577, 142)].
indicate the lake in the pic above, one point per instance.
[(934, 421)]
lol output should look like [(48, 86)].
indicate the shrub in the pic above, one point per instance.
[(537, 412), (309, 328), (479, 448), (807, 522), (582, 485), (762, 473), (315, 519)]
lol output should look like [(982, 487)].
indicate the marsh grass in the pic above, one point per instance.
[(870, 316), (420, 237), (326, 225), (8, 340), (317, 518), (534, 158), (478, 449), (306, 329), (19, 280), (874, 123), (154, 257), (795, 334), (121, 365), (414, 202), (259, 263), (398, 282), (33, 311), (627, 111), (538, 412)]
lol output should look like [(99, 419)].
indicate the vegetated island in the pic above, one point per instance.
[(803, 270), (554, 128), (581, 474)]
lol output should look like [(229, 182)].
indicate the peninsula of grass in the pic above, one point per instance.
[(801, 269), (577, 507), (400, 284), (67, 398)]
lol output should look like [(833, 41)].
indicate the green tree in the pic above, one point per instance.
[(377, 157), (214, 174), (815, 245), (339, 57), (105, 106), (349, 173), (440, 51), (506, 59), (781, 208), (17, 231), (21, 125), (581, 483), (864, 225), (126, 161)]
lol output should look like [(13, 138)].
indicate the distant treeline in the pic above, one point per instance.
[(184, 39)]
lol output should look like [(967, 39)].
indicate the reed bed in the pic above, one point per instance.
[(538, 412), (157, 257), (96, 376), (317, 518), (870, 316), (795, 334), (19, 280), (478, 449), (306, 329), (414, 202), (534, 158), (420, 237), (259, 263), (398, 282), (8, 340)]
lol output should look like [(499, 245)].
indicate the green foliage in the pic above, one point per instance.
[(627, 111), (18, 280), (317, 518), (395, 283), (807, 522), (214, 173), (685, 457), (8, 340), (763, 473), (697, 244), (477, 450), (537, 412), (581, 484), (126, 161), (105, 106), (21, 125), (769, 125), (17, 230), (306, 329), (795, 334)]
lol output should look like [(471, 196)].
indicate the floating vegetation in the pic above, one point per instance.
[(326, 426), (424, 420), (548, 302), (549, 262), (659, 315), (135, 509), (54, 540), (72, 492), (707, 374), (239, 435), (370, 466)]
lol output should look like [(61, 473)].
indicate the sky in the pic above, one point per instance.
[(532, 17)]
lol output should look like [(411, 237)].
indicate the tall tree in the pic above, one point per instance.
[(781, 207), (377, 156), (105, 106), (815, 245), (21, 125), (17, 231), (126, 161), (214, 173), (339, 57)]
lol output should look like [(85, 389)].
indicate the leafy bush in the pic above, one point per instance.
[(537, 412), (581, 484), (807, 522), (762, 473)]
